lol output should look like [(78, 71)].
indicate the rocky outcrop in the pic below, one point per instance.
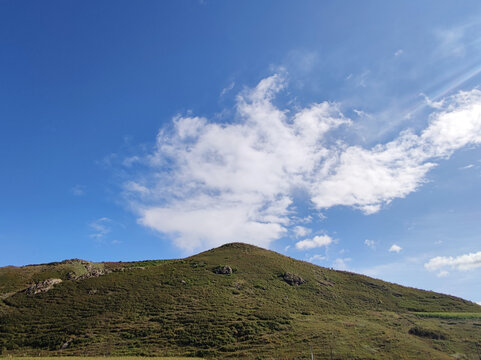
[(325, 283), (223, 269), (42, 286), (293, 279), (91, 272)]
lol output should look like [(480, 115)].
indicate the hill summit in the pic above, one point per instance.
[(235, 301)]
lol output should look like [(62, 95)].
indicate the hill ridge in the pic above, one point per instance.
[(262, 305)]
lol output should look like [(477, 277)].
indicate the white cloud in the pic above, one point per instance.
[(196, 226), (478, 302), (431, 103), (455, 127), (395, 248), (317, 258), (101, 228), (368, 178), (398, 52), (316, 242), (442, 273), (463, 262), (301, 231), (370, 243), (467, 167), (341, 264), (208, 183)]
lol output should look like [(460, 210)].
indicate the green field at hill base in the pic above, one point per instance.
[(99, 358)]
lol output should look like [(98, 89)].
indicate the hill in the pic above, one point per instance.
[(235, 301)]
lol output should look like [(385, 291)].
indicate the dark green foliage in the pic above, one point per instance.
[(431, 334), (182, 307)]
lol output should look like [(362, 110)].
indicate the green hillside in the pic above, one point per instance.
[(236, 301)]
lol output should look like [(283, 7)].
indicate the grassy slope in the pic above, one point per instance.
[(167, 308), (103, 358)]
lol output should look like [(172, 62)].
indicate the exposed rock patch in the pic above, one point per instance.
[(42, 286), (293, 279), (223, 269), (325, 283), (93, 273)]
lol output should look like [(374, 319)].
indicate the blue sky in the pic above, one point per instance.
[(342, 133)]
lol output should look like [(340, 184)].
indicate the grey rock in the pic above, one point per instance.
[(293, 279), (42, 286), (224, 269)]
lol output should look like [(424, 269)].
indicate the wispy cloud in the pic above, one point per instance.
[(208, 183), (362, 78), (452, 41), (463, 262), (101, 227), (432, 103), (301, 62), (301, 231), (129, 161), (227, 88), (370, 243), (317, 258), (341, 263), (78, 190), (442, 273)]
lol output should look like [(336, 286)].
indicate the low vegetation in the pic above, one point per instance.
[(103, 358), (267, 306)]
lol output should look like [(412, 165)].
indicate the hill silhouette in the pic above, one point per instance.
[(235, 301)]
